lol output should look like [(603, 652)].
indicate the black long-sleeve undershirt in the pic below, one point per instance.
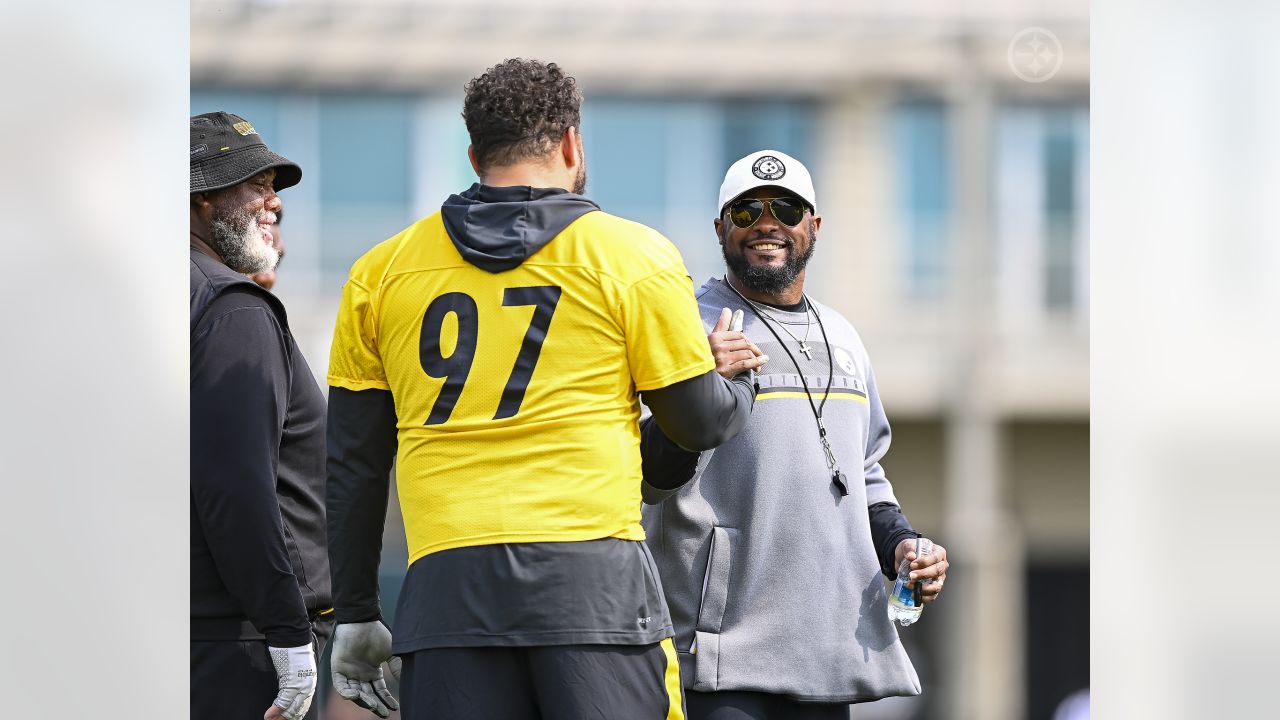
[(888, 528), (361, 442), (667, 464), (702, 412)]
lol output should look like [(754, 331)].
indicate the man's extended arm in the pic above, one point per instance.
[(239, 396), (702, 412), (667, 464), (690, 416), (361, 446)]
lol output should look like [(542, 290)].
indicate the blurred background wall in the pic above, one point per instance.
[(949, 143)]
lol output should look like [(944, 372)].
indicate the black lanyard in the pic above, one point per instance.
[(837, 478)]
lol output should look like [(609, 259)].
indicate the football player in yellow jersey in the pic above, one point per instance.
[(498, 350)]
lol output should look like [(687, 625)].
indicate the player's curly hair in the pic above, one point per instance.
[(518, 110)]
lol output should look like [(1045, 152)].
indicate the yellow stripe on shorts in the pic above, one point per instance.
[(675, 694)]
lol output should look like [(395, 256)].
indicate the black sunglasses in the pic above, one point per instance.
[(745, 212)]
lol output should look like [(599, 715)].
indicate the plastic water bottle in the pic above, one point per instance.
[(904, 602)]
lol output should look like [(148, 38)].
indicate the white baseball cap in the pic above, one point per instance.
[(767, 168)]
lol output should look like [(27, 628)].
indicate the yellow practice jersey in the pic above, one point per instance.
[(516, 392)]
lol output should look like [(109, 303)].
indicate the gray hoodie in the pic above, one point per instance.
[(770, 574)]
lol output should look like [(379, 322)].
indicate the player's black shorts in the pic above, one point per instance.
[(558, 682)]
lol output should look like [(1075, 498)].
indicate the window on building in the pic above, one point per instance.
[(922, 181), (626, 145), (660, 161), (1060, 203), (365, 178), (751, 125), (1041, 210)]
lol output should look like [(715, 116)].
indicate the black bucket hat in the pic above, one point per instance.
[(226, 150)]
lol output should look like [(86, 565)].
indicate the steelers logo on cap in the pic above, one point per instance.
[(768, 167)]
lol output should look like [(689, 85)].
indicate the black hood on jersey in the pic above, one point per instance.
[(497, 228)]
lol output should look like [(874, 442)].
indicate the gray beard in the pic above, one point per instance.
[(233, 237)]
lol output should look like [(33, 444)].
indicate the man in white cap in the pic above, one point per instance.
[(771, 555)]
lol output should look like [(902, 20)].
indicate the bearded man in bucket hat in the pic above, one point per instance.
[(260, 597)]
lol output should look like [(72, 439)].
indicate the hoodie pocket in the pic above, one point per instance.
[(715, 596)]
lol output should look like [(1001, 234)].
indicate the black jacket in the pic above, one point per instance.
[(257, 467)]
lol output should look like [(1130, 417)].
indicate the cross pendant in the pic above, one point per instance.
[(804, 348)]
